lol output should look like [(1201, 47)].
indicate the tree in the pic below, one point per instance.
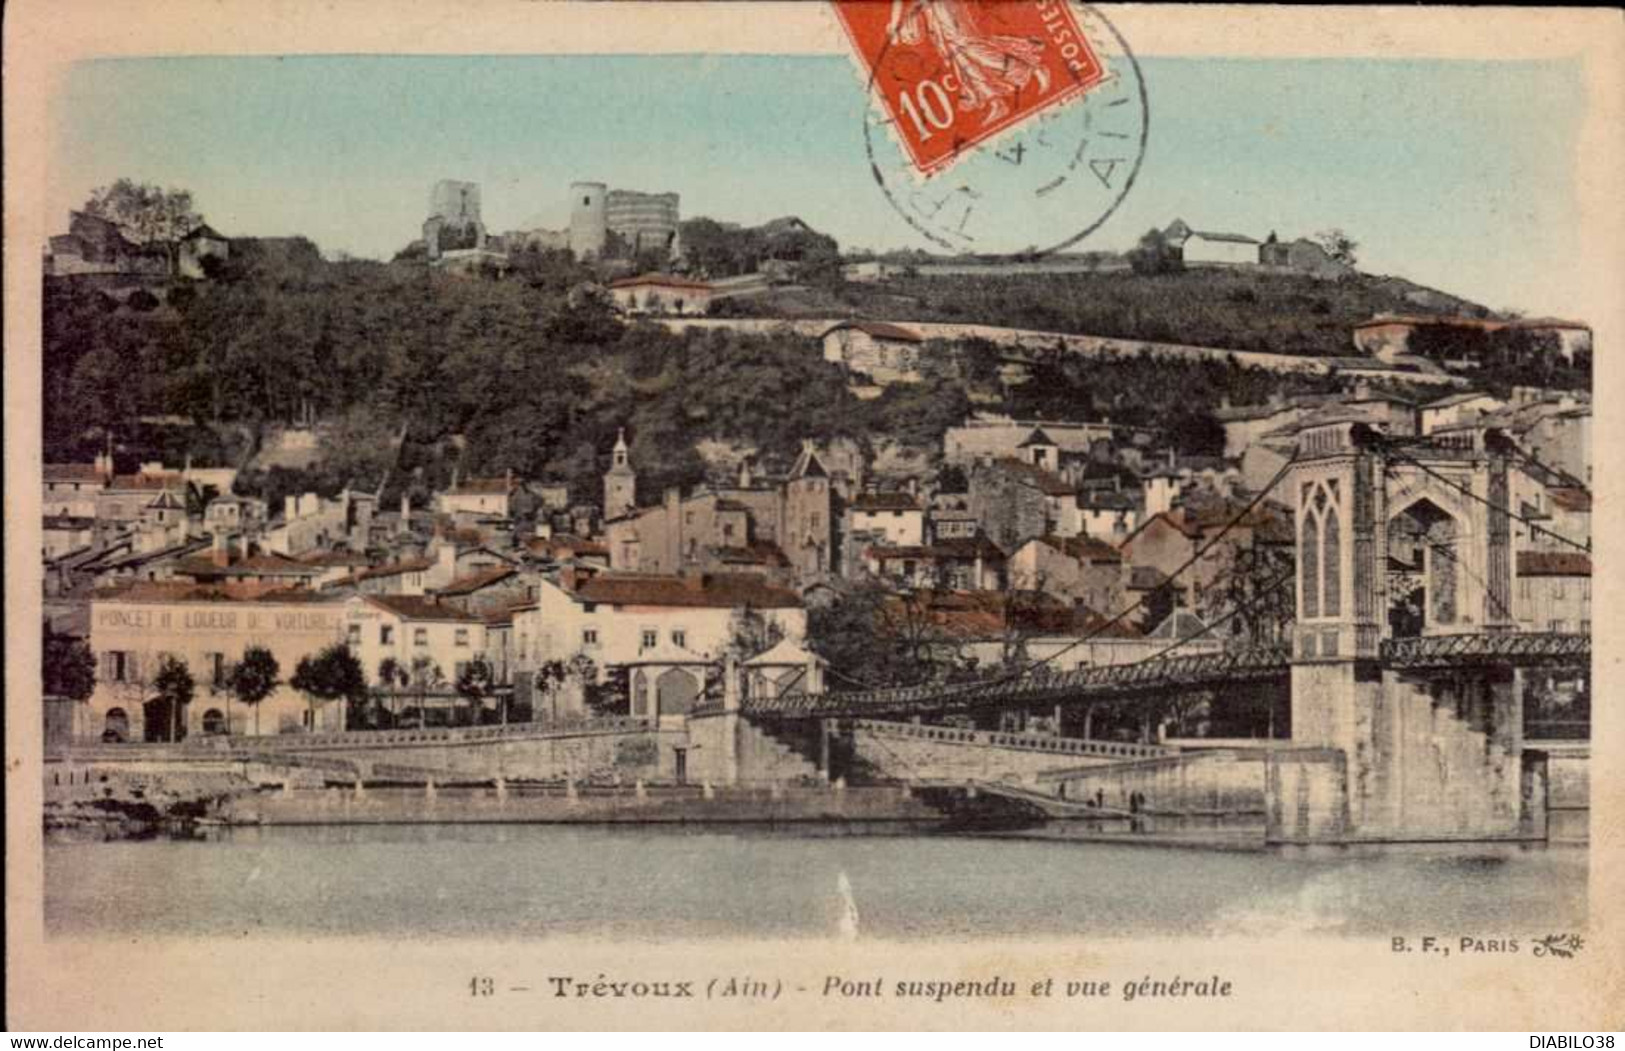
[(331, 675), (394, 677), (1339, 245), (1154, 255), (174, 687), (148, 215), (550, 675), (476, 682), (426, 676), (69, 668), (253, 679), (1255, 591)]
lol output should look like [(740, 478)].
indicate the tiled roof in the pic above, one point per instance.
[(1212, 235), (757, 553), (147, 482), (1486, 324), (1554, 564), (252, 566), (879, 330), (1570, 498), (1083, 548), (73, 472), (722, 590), (1040, 479), (416, 607), (73, 522), (334, 558), (885, 502), (482, 487), (473, 582), (551, 547), (180, 591), (661, 281), (947, 549), (1146, 578)]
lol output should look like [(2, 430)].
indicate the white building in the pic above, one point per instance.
[(895, 519), (413, 629), (884, 352)]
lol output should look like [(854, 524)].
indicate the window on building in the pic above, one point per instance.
[(679, 638), (1558, 588), (1585, 627), (216, 663), (462, 636), (1523, 588), (589, 607), (354, 635), (420, 636), (728, 531), (386, 635), (651, 638), (117, 666), (589, 636), (1557, 627)]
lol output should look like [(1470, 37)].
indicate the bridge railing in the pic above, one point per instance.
[(1025, 742)]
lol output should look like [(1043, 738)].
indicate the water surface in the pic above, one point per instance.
[(533, 881)]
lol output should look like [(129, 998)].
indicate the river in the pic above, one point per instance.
[(532, 881)]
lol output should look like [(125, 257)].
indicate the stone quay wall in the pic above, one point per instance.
[(917, 753)]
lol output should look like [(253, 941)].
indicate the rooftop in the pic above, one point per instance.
[(716, 590), (891, 501), (417, 607), (879, 330), (1554, 564)]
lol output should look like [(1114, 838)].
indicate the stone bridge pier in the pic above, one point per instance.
[(1397, 545)]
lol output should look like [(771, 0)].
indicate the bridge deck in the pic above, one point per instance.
[(1162, 675)]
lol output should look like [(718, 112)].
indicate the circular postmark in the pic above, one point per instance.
[(1004, 144)]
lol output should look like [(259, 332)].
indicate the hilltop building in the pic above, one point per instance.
[(454, 223), (780, 529)]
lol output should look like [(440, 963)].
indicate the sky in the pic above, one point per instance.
[(1460, 175)]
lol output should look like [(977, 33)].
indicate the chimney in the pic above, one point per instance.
[(568, 579), (220, 553), (290, 507), (406, 513), (507, 480), (912, 485), (456, 473)]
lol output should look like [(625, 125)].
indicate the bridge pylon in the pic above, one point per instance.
[(1410, 545)]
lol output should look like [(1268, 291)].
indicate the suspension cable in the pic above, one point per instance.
[(1396, 451), (1200, 553)]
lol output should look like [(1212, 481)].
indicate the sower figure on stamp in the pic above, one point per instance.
[(987, 68)]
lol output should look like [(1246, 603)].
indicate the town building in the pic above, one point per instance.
[(1456, 409), (666, 630), (1078, 568), (94, 245), (1303, 256), (643, 222), (1388, 336), (887, 518), (134, 626), (985, 437), (878, 350), (198, 247), (1553, 591), (432, 640), (478, 497), (974, 563), (662, 294), (71, 488), (779, 527), (454, 222), (1211, 248), (1016, 500)]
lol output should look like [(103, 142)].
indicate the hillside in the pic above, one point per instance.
[(534, 372), (1231, 308)]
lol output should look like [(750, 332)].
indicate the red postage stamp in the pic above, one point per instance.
[(954, 73)]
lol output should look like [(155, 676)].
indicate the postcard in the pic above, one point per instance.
[(852, 514)]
